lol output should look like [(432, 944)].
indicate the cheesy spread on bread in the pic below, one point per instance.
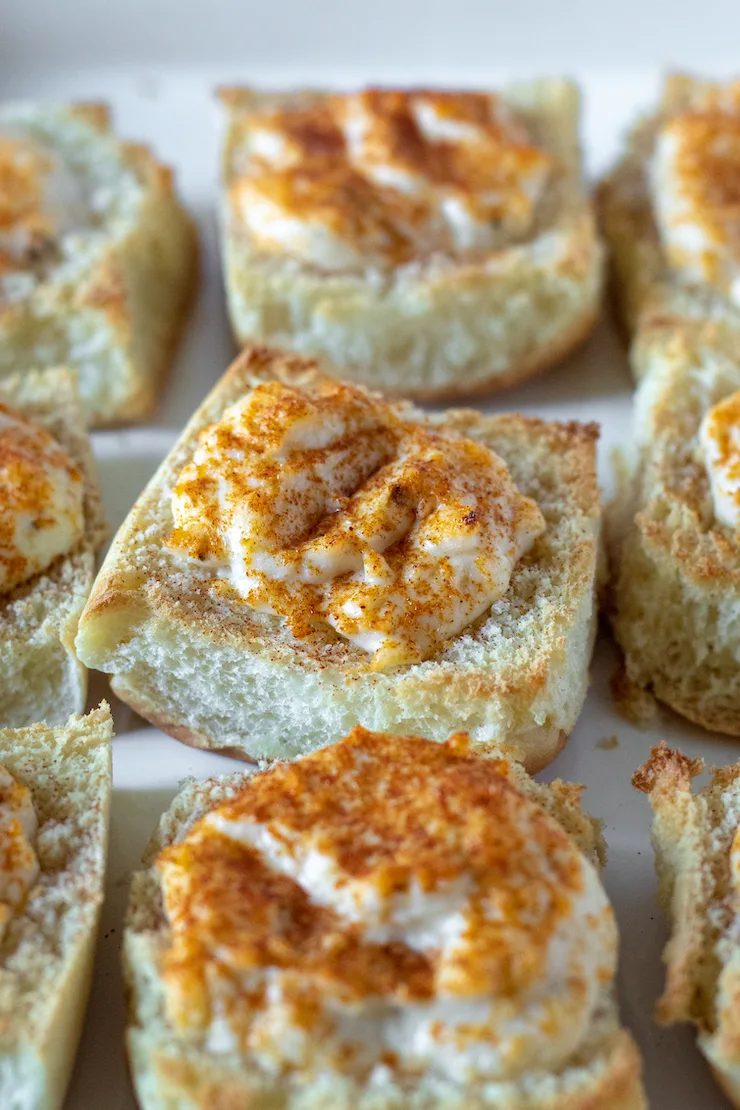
[(719, 436), (19, 866), (41, 499), (386, 901), (386, 177), (328, 508), (696, 193), (41, 199)]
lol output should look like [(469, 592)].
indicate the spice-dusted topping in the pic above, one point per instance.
[(40, 199), (19, 867), (41, 499), (386, 900), (329, 509), (387, 176), (696, 192), (719, 436)]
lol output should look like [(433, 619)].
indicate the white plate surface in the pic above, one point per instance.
[(174, 109)]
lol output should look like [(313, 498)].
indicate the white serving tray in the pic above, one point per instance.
[(173, 108)]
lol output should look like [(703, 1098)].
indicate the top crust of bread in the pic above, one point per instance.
[(643, 282), (40, 676), (437, 328), (692, 834), (115, 311), (48, 950), (217, 674), (170, 1072)]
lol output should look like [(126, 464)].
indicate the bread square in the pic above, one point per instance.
[(645, 281), (216, 674), (407, 312), (49, 942), (98, 258), (676, 582), (172, 1067), (41, 677), (675, 586), (695, 841)]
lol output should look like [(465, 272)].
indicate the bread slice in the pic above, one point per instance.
[(675, 590), (41, 678), (643, 281), (216, 674), (439, 327), (693, 834), (114, 306), (48, 949), (171, 1073)]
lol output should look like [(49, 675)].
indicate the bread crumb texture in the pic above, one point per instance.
[(47, 946)]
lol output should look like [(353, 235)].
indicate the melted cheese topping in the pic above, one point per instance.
[(386, 900), (328, 509), (19, 866), (41, 199), (41, 500), (719, 436), (386, 177), (696, 190)]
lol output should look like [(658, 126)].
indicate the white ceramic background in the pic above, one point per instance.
[(157, 63)]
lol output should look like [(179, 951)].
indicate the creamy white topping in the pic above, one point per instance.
[(388, 176), (719, 436), (696, 192), (41, 499), (332, 509), (538, 1028), (495, 937), (19, 866)]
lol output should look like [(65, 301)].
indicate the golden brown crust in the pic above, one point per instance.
[(145, 399), (94, 112)]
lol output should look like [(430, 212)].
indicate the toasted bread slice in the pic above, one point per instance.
[(109, 295), (172, 1072), (675, 596), (438, 326), (48, 949), (214, 673), (643, 281), (41, 678), (695, 842)]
